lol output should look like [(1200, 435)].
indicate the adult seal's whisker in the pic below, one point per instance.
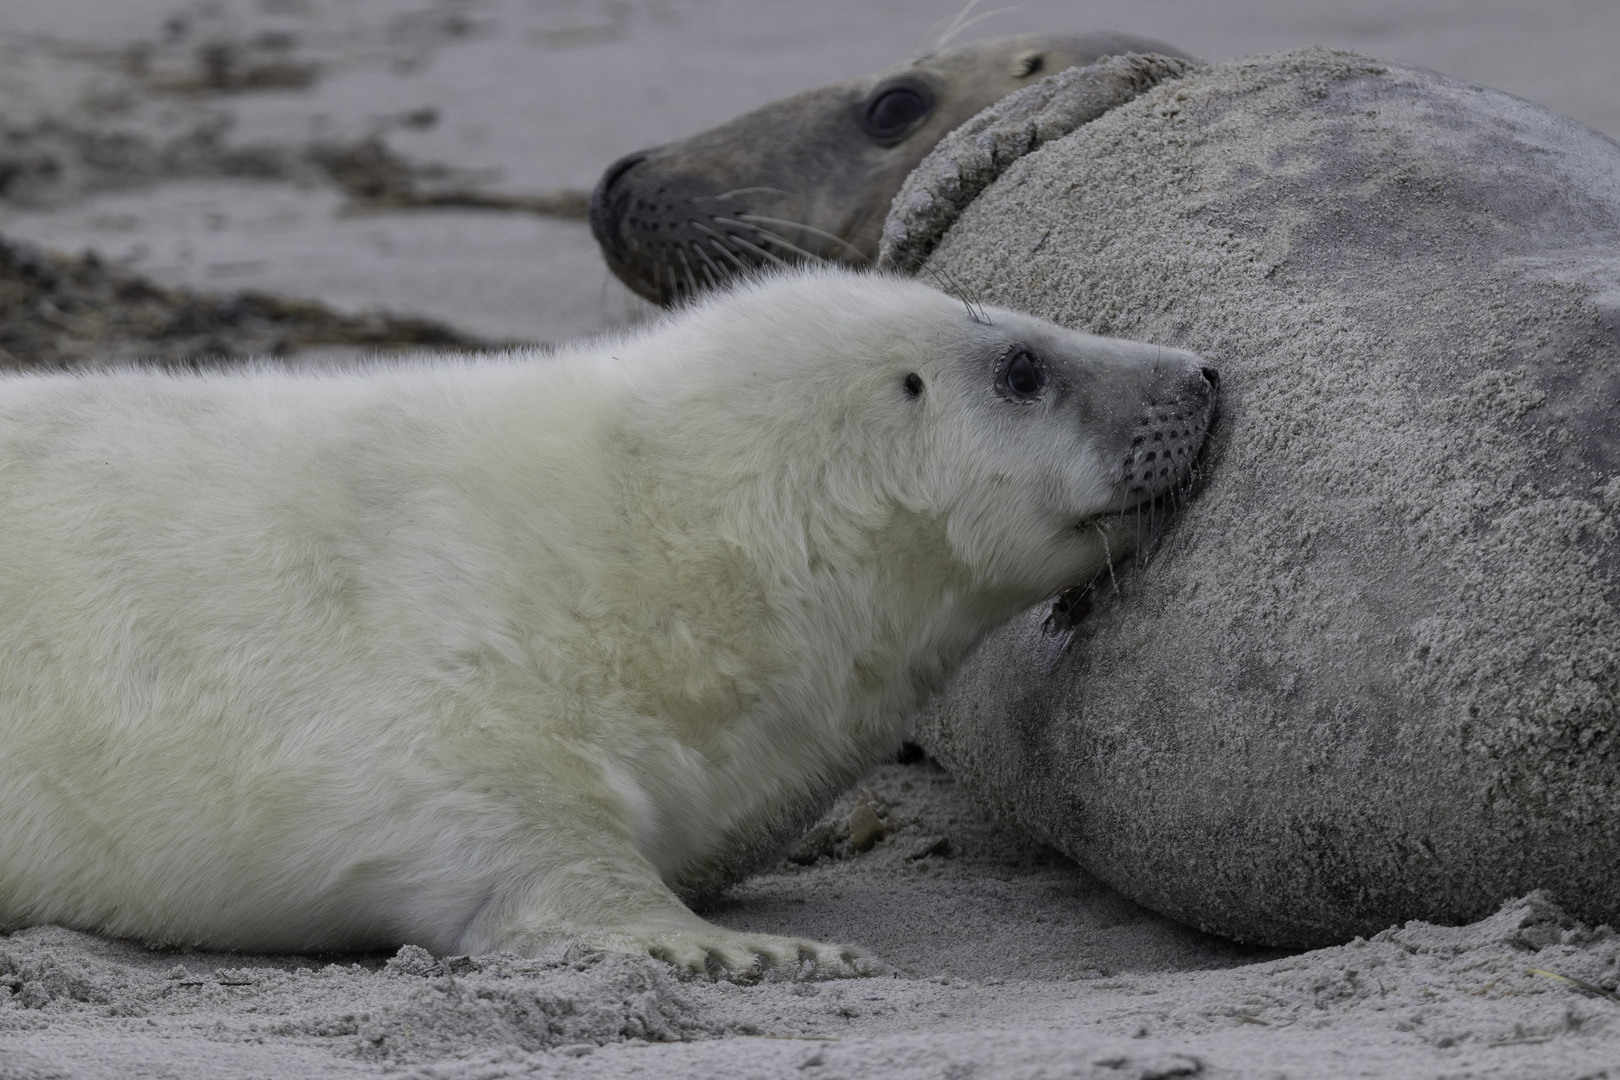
[(724, 240), (737, 239), (686, 268), (961, 22), (723, 196), (710, 269), (721, 249), (860, 256), (766, 236)]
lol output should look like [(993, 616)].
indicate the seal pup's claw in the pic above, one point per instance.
[(749, 958)]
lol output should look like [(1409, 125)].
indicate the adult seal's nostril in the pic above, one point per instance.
[(1212, 377), (607, 205), (611, 174)]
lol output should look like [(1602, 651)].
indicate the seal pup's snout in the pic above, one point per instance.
[(1168, 433)]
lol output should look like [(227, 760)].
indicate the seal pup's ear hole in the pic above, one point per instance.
[(1028, 64), (913, 384)]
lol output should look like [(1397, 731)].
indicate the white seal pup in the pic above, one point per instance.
[(494, 654)]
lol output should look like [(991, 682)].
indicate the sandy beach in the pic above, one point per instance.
[(1000, 959)]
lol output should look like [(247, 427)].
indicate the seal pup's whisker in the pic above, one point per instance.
[(1136, 547), (823, 233), (1145, 543), (958, 290), (951, 287), (1108, 553)]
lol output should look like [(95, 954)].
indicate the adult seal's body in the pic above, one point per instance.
[(496, 655), (1372, 674), (810, 177)]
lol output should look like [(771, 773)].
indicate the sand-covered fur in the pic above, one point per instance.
[(1371, 675), (492, 654)]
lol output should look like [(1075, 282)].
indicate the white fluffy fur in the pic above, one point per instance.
[(487, 654)]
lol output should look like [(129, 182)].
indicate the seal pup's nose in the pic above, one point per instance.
[(1200, 387)]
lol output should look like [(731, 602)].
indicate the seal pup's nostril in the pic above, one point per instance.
[(1211, 376)]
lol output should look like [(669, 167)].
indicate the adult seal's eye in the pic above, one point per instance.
[(1022, 377), (894, 111)]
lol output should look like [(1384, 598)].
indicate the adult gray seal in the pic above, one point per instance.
[(1372, 673), (811, 177)]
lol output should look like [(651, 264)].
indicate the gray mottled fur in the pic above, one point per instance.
[(1373, 672)]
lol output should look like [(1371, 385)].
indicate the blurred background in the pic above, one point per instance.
[(429, 158)]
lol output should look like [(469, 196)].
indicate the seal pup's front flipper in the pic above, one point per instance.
[(608, 897)]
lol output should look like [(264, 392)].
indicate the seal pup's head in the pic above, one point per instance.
[(849, 479), (841, 419), (809, 178)]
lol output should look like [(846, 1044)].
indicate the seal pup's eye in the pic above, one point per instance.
[(1021, 376), (894, 110), (913, 384)]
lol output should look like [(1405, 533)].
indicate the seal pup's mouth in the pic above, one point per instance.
[(1169, 439), (1163, 469), (1163, 462)]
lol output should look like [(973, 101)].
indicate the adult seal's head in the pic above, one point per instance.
[(810, 177)]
